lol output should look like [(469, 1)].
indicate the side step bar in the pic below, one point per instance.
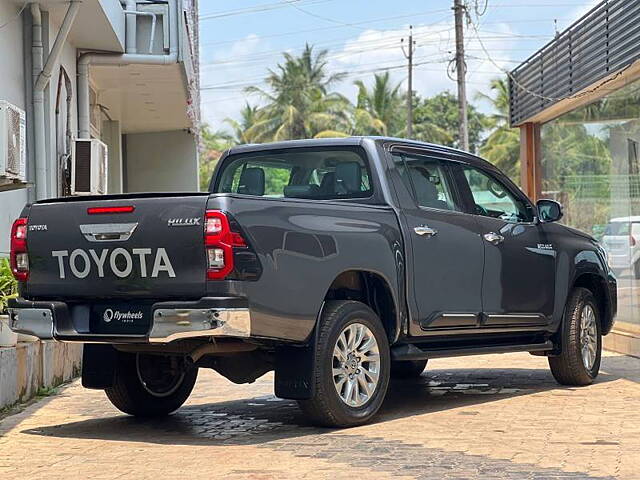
[(413, 352)]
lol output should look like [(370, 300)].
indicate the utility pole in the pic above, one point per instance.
[(461, 70), (409, 56)]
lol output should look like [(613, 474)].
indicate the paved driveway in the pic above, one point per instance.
[(495, 416)]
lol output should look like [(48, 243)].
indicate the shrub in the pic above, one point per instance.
[(8, 285)]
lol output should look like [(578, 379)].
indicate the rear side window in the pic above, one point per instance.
[(316, 173)]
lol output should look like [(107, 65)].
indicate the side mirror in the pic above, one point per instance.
[(549, 211)]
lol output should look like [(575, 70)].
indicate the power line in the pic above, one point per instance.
[(536, 94), (376, 44), (251, 82), (326, 19), (256, 9), (309, 30)]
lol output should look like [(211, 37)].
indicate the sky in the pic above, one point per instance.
[(241, 40)]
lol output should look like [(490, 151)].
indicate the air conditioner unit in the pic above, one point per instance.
[(13, 158), (89, 168)]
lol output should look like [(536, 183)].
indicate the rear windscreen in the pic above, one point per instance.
[(317, 173)]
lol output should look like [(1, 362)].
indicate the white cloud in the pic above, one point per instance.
[(223, 69)]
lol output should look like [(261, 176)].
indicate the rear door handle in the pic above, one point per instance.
[(493, 238), (424, 230)]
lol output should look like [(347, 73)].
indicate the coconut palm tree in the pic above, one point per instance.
[(299, 103), (379, 110), (502, 146), (248, 117)]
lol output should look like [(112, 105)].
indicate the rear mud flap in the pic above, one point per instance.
[(295, 368), (98, 366)]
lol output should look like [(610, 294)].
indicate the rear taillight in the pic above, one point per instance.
[(19, 258), (632, 241), (219, 240)]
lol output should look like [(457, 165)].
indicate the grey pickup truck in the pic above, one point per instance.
[(337, 263)]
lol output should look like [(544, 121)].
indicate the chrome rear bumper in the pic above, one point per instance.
[(175, 324), (51, 320)]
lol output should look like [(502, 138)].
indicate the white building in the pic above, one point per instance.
[(122, 72)]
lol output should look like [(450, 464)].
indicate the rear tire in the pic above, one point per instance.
[(151, 385), (352, 366), (636, 270), (579, 362), (408, 368)]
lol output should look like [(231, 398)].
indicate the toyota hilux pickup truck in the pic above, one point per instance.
[(336, 263)]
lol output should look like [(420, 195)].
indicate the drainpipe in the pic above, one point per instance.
[(88, 59), (38, 104), (131, 42), (41, 76)]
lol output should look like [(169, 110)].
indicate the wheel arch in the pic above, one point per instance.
[(372, 289), (599, 289)]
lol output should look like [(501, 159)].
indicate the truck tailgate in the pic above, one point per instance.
[(154, 251)]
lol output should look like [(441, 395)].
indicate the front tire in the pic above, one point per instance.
[(579, 362), (352, 366), (151, 385)]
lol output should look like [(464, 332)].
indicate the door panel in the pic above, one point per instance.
[(447, 269), (519, 274), (518, 282), (446, 252)]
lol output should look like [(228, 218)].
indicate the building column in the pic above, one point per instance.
[(530, 160), (112, 136)]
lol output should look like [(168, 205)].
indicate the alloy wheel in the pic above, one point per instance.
[(588, 336), (356, 365)]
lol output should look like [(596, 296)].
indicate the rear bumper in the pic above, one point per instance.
[(207, 317)]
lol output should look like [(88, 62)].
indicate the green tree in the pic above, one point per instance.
[(502, 146), (299, 103), (241, 129), (436, 120), (212, 144), (379, 110)]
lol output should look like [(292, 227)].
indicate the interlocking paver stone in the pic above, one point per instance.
[(491, 417)]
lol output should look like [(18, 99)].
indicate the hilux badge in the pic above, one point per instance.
[(183, 222)]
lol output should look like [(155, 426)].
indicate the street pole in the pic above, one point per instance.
[(459, 10), (409, 56)]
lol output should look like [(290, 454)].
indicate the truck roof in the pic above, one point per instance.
[(332, 142)]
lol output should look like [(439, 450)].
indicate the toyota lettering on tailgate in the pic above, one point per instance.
[(144, 262)]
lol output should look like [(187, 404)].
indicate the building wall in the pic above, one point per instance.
[(163, 161), (12, 89)]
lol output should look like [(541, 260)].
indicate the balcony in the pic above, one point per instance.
[(100, 24)]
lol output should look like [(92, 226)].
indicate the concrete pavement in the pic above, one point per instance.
[(494, 416)]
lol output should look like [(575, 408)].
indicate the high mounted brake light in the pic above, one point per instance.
[(219, 240), (104, 210), (19, 258)]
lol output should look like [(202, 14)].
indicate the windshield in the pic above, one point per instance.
[(318, 173)]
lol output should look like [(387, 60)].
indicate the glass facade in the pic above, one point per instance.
[(590, 164)]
